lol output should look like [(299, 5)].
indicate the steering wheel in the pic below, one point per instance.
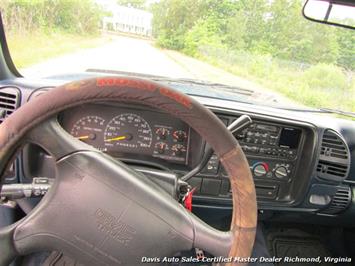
[(101, 212)]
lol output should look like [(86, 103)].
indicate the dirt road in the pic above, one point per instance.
[(139, 56)]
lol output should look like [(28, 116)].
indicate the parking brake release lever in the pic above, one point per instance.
[(235, 127)]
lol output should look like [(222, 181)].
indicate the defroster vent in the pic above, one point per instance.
[(334, 158)]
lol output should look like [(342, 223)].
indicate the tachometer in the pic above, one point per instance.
[(88, 129), (128, 130)]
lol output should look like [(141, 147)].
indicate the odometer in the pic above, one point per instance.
[(128, 130)]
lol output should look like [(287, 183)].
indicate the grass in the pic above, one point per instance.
[(313, 86), (35, 47), (317, 86)]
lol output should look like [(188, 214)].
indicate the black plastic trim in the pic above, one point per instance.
[(325, 22), (5, 51)]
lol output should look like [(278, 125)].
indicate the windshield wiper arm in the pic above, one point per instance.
[(230, 88), (321, 111), (225, 87), (336, 111)]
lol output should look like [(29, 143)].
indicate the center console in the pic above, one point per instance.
[(274, 152)]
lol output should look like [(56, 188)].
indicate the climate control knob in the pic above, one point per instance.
[(281, 172), (260, 170)]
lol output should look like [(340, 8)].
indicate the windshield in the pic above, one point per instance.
[(266, 51)]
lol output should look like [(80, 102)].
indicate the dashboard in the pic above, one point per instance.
[(301, 163), (275, 149), (130, 132)]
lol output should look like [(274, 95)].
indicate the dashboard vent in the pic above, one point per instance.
[(340, 202), (9, 101), (334, 158), (333, 146)]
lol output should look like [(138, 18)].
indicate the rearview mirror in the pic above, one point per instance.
[(334, 12)]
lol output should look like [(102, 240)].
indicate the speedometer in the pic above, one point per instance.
[(128, 130)]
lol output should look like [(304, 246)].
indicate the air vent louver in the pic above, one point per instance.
[(340, 201), (334, 159), (9, 101)]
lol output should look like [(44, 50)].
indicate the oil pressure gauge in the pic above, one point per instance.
[(179, 135)]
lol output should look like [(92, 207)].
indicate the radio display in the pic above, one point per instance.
[(290, 137)]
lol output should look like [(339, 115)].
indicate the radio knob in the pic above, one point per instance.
[(260, 170), (281, 172)]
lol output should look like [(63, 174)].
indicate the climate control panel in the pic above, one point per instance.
[(271, 170)]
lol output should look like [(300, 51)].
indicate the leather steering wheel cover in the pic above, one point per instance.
[(139, 91)]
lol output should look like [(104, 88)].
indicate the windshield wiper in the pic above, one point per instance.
[(239, 90), (225, 87), (321, 111), (229, 88), (336, 111), (258, 97)]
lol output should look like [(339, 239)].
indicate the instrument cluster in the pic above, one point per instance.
[(121, 131)]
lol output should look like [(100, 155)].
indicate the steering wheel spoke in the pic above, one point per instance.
[(7, 245), (102, 212), (54, 139), (210, 239)]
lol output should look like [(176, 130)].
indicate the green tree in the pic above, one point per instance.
[(172, 19), (346, 40), (78, 16), (274, 28)]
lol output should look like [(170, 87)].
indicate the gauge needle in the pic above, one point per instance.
[(116, 138), (83, 137), (91, 136)]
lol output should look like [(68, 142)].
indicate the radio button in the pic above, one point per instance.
[(265, 135), (254, 149)]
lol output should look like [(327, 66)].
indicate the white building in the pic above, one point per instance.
[(127, 19)]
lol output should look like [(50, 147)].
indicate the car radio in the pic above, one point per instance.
[(271, 140)]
